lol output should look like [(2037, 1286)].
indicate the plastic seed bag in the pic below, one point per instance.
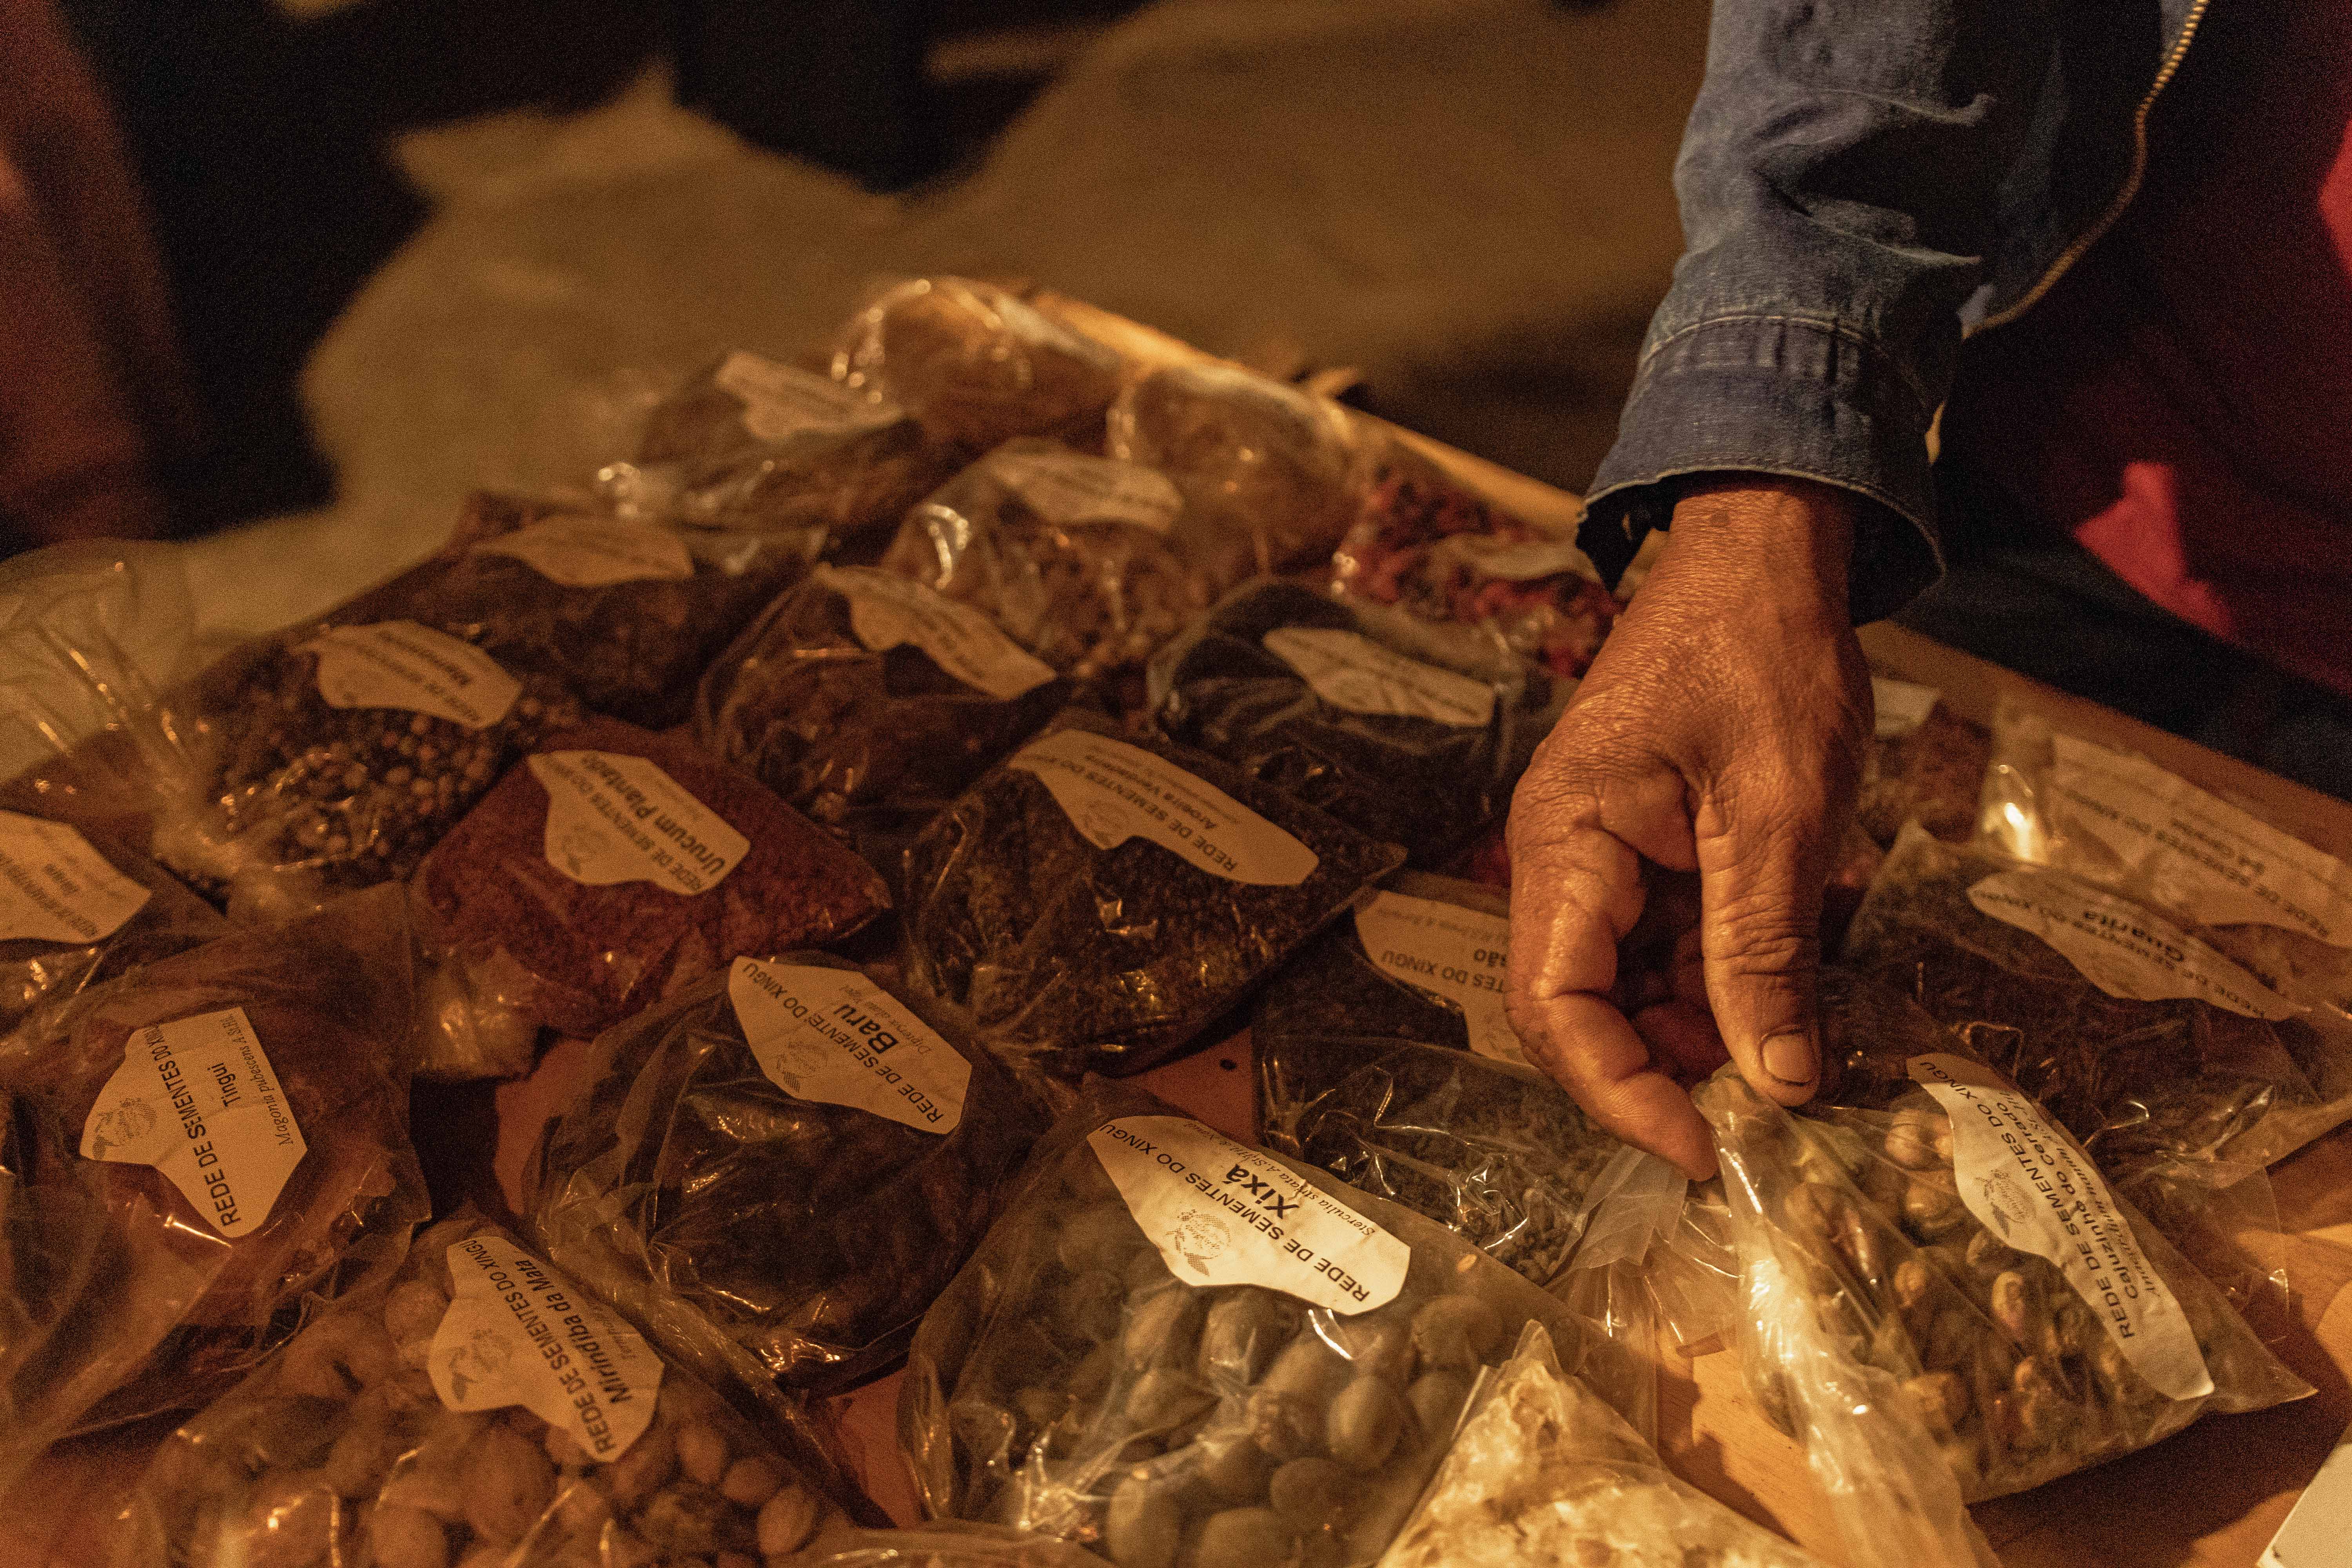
[(787, 1158), (1933, 1226), (1096, 901), (1088, 563), (1925, 764), (1175, 1348), (1274, 466), (476, 1408), (1412, 733), (870, 701), (947, 1543), (194, 1147), (615, 867), (974, 366), (1544, 1471), (1423, 543)]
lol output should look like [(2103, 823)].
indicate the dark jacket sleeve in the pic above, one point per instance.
[(1838, 182)]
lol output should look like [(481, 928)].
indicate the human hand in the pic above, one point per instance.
[(1716, 741)]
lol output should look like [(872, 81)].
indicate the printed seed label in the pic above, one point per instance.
[(2028, 1183), (519, 1332), (835, 1036), (1221, 1213), (1070, 488), (2194, 850), (781, 401), (1356, 673), (594, 551), (1114, 791), (886, 611), (399, 664), (2123, 950), (1450, 952), (55, 887), (197, 1099), (1900, 706), (621, 819)]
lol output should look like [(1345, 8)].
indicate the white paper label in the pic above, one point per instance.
[(1221, 1213), (1070, 489), (2027, 1183), (399, 664), (2197, 852), (1356, 673), (197, 1099), (2123, 950), (55, 887), (612, 819), (886, 611), (594, 551), (1114, 791), (835, 1036), (1455, 952), (1901, 707), (781, 401), (519, 1332)]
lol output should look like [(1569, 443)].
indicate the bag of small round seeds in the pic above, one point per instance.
[(194, 1147), (1097, 901), (477, 1408), (1411, 731), (1174, 1347), (614, 866), (1929, 1215), (870, 701), (788, 1160)]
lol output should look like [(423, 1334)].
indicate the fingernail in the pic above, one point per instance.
[(1790, 1057)]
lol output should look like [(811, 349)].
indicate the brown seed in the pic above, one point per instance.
[(2010, 1303), (1942, 1397)]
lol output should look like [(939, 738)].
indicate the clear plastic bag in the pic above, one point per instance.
[(1925, 763), (1087, 563), (1097, 901), (1544, 1470), (476, 1408), (194, 1147), (1286, 1409), (805, 1230), (750, 443), (870, 702), (945, 1543), (1424, 545), (613, 867), (1271, 465), (974, 365), (1412, 732), (1925, 1227)]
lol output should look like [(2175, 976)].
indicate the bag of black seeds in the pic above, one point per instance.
[(613, 867), (1412, 732), (477, 1407), (1097, 901), (1173, 1348), (870, 701), (788, 1154)]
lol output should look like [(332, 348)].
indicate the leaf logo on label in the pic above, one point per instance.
[(1223, 1213), (1074, 489), (197, 1099), (1354, 673), (885, 611), (613, 818), (1450, 952), (578, 551), (2122, 949), (399, 664), (835, 1036), (1113, 792), (518, 1332), (55, 887), (781, 401)]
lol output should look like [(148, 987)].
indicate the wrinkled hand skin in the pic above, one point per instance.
[(1720, 733)]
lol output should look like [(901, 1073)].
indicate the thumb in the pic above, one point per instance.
[(1760, 882)]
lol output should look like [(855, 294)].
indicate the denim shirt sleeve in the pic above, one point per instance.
[(1838, 182)]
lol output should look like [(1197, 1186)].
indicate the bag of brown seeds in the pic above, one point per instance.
[(1925, 763)]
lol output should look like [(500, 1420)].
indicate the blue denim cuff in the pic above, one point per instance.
[(1793, 397)]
